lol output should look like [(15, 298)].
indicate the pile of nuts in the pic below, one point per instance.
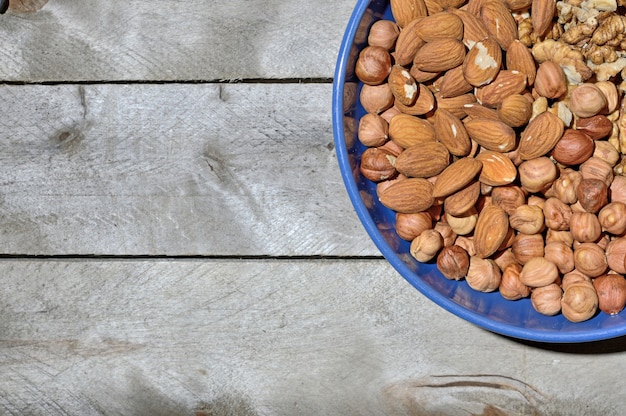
[(496, 130)]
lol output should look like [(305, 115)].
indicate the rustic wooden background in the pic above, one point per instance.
[(176, 238)]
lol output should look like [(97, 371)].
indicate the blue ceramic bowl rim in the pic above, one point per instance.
[(386, 250)]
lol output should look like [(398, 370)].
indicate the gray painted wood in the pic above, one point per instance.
[(173, 169), (134, 40), (270, 337)]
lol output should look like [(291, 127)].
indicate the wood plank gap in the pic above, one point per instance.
[(177, 82), (184, 257)]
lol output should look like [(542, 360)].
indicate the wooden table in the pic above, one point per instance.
[(177, 240)]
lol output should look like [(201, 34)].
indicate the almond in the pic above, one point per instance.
[(540, 136), (455, 105), (520, 58), (403, 86), (408, 195), (492, 134), (408, 43), (423, 160), (542, 12), (475, 110), (491, 229), (456, 176), (453, 83), (473, 28), (463, 200), (422, 76), (424, 103), (406, 130), (482, 62), (499, 22), (515, 110), (440, 55), (497, 170), (404, 11), (507, 83), (440, 25), (451, 132), (518, 5)]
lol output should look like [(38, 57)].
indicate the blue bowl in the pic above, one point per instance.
[(490, 311)]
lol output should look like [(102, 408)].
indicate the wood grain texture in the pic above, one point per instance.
[(269, 337), (93, 40), (210, 169)]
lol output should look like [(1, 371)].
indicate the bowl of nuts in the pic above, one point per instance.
[(482, 143)]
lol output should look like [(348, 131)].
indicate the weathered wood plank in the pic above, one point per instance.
[(211, 169), (93, 40), (273, 337)]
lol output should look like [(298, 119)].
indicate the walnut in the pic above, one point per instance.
[(580, 32), (570, 58), (610, 31), (599, 54), (608, 70)]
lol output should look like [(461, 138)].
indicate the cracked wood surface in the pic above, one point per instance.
[(282, 306)]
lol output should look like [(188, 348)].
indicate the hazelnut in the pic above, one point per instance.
[(596, 168), (389, 113), (527, 246), (611, 291), (409, 226), (527, 219), (426, 246), (483, 275), (557, 214), (453, 262), (609, 89), (538, 271), (376, 98), (579, 302), (463, 224), (383, 33), (564, 237), (596, 127), (547, 299), (587, 100), (589, 259), (373, 130), (511, 288), (449, 236), (585, 227), (536, 175), (508, 197), (612, 218), (550, 81), (575, 276), (618, 189), (592, 194), (616, 254), (573, 148), (561, 255), (565, 186), (505, 258), (466, 243), (373, 65), (377, 164)]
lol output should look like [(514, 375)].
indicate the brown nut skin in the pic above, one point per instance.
[(527, 246), (592, 194), (453, 262), (483, 275), (565, 186), (550, 81), (574, 148), (373, 130), (611, 291), (376, 98), (511, 288), (612, 218), (538, 272), (383, 33), (561, 255), (616, 255), (597, 127), (587, 100), (547, 299), (527, 219), (590, 259), (409, 226), (538, 174), (377, 165), (557, 214), (575, 276), (585, 227), (508, 197), (579, 302), (426, 246), (373, 65)]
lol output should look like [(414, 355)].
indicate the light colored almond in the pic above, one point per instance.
[(497, 170), (515, 110), (423, 160), (542, 12), (408, 195), (476, 110), (499, 22), (404, 11), (440, 25), (482, 63), (540, 136), (473, 27), (440, 55), (456, 176), (406, 130), (403, 85), (453, 83), (507, 83), (451, 132), (492, 134), (463, 200), (455, 105), (491, 229)]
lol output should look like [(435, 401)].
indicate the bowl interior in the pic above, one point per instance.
[(490, 311)]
